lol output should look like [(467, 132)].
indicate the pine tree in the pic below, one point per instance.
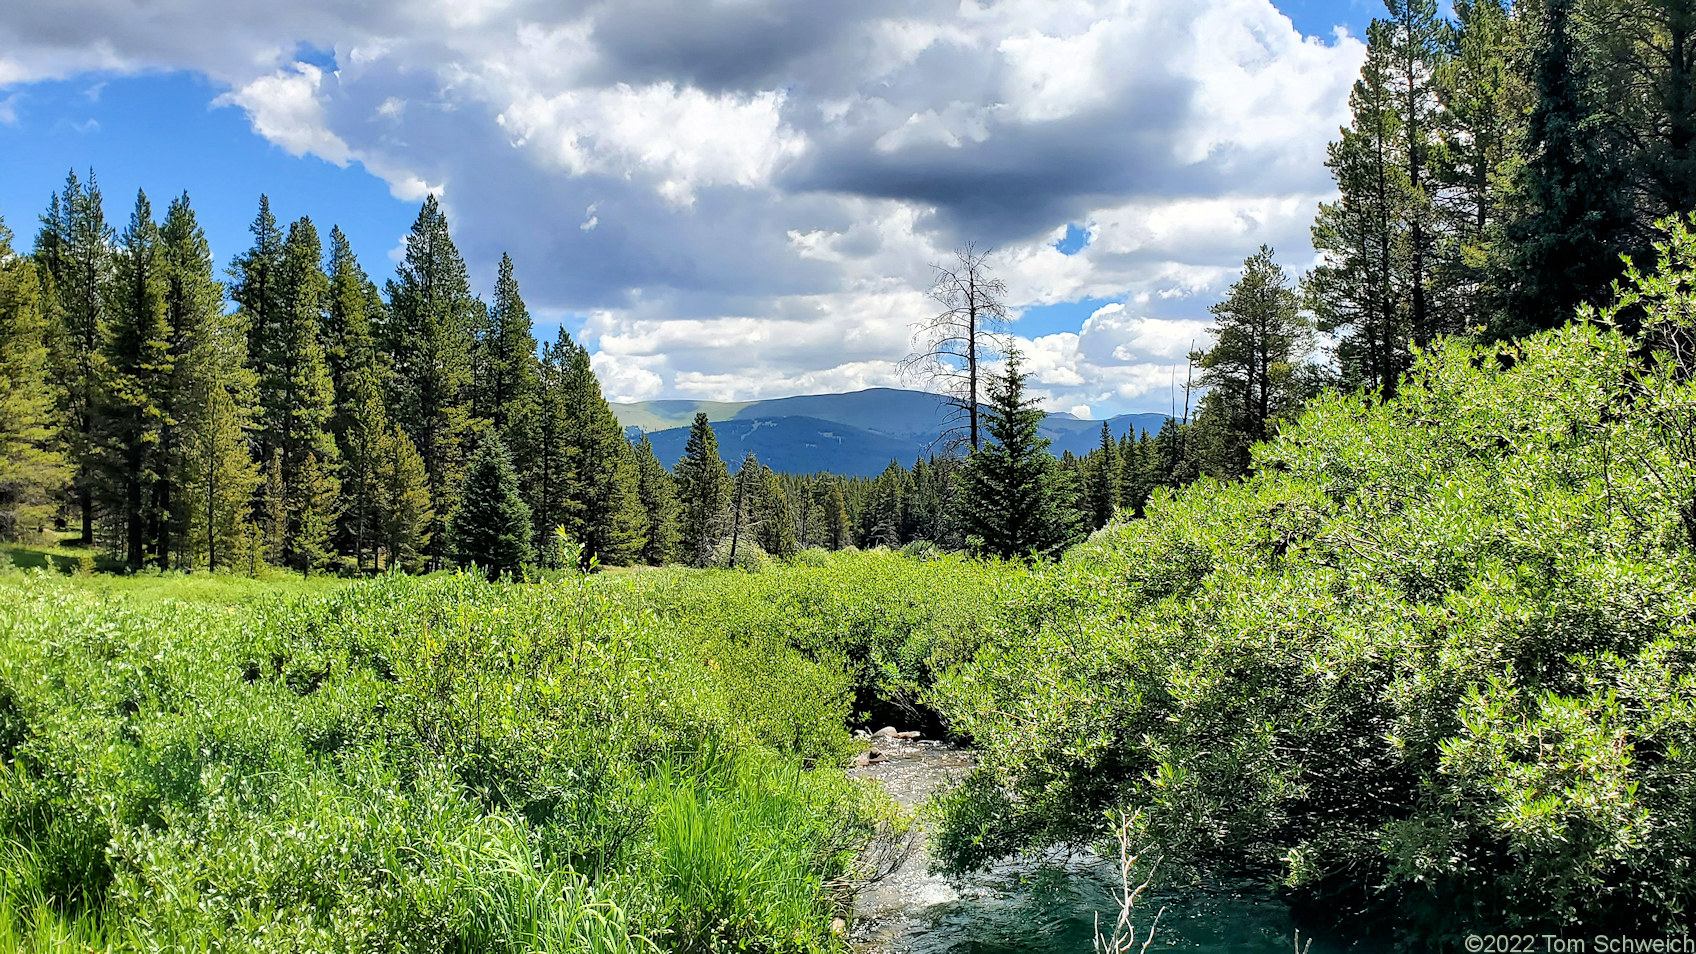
[(1104, 480), (491, 528), (32, 465), (1359, 237), (659, 501), (1012, 490), (1136, 483), (428, 334), (312, 506), (75, 250), (1256, 371), (604, 488), (131, 410), (1416, 56), (703, 490), (212, 472), (1479, 121), (401, 510), (256, 286)]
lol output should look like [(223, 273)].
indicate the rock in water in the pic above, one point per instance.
[(887, 732)]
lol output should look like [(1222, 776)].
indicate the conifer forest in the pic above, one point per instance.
[(340, 611)]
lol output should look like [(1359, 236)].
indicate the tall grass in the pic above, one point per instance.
[(412, 765)]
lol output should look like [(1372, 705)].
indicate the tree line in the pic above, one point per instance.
[(1497, 166), (291, 413)]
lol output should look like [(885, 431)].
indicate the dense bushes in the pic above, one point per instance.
[(1436, 661), (891, 621), (413, 765)]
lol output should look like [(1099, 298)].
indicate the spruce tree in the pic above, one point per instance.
[(604, 489), (776, 530), (703, 490), (552, 460), (1012, 490), (1136, 482), (401, 509), (1104, 480), (510, 354), (659, 502), (1573, 217), (131, 417), (1479, 122), (743, 522), (839, 530), (491, 528), (881, 518), (360, 424), (33, 467), (297, 400), (212, 472), (256, 286), (75, 249), (428, 334)]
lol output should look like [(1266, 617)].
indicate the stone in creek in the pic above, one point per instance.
[(887, 732), (906, 735)]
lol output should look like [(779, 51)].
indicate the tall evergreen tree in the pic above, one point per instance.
[(1353, 291), (360, 424), (1255, 372), (839, 530), (604, 488), (428, 333), (1481, 112), (881, 518), (510, 354), (491, 528), (75, 248), (212, 474), (548, 487), (1416, 56), (297, 400), (1104, 480), (256, 286), (131, 413), (1573, 218), (32, 465), (1012, 490), (704, 491), (658, 493)]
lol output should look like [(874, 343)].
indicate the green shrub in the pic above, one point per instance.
[(1436, 660)]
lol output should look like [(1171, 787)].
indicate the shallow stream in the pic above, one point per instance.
[(1041, 906)]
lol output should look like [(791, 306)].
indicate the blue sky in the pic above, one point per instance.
[(722, 201)]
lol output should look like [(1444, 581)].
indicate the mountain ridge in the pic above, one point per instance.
[(855, 433)]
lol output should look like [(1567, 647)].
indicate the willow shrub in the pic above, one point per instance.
[(1435, 662), (408, 765), (890, 621)]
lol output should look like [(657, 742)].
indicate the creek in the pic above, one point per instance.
[(1042, 905)]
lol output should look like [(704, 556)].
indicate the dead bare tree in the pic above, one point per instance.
[(969, 331)]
